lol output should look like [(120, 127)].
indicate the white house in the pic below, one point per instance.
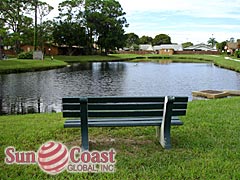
[(200, 47), (145, 47), (175, 47)]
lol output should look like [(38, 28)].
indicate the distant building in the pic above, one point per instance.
[(167, 49), (200, 47), (231, 47), (145, 47), (48, 49)]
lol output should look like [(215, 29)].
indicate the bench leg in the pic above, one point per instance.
[(84, 123), (165, 138), (164, 130), (84, 133), (163, 135)]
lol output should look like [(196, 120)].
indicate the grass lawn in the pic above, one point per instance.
[(93, 58), (15, 65), (217, 60), (206, 147)]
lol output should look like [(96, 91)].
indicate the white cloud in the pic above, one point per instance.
[(150, 17), (200, 19), (198, 8)]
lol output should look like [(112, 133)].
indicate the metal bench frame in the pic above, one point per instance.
[(161, 112)]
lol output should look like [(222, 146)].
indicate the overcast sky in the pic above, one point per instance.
[(183, 20)]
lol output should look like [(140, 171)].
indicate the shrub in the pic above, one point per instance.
[(25, 55), (237, 54)]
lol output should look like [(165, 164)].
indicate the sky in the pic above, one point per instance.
[(183, 20)]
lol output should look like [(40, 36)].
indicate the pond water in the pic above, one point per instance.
[(42, 91)]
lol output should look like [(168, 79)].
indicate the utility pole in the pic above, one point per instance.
[(35, 27)]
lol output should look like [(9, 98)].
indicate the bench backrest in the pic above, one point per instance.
[(122, 106)]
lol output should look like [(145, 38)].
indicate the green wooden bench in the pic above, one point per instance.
[(87, 112)]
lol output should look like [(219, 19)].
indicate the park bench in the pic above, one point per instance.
[(161, 112)]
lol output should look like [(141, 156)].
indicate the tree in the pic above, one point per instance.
[(14, 16), (146, 40), (69, 34), (220, 46), (187, 44), (161, 39), (105, 21), (43, 10), (131, 38), (17, 17), (71, 11), (47, 28), (212, 42), (2, 34)]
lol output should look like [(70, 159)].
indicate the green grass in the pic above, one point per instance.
[(205, 147), (93, 58), (15, 65), (193, 58)]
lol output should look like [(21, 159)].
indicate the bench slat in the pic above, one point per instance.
[(157, 119), (115, 106), (120, 123), (71, 100), (124, 99), (113, 113), (136, 106), (122, 113), (71, 114), (122, 119), (179, 112)]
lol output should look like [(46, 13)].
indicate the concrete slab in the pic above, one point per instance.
[(210, 94), (233, 92)]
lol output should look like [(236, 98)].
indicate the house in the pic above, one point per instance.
[(145, 47), (200, 47), (48, 49), (231, 47), (53, 49), (167, 49)]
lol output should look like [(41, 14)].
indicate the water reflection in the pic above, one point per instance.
[(42, 91), (21, 92), (20, 105)]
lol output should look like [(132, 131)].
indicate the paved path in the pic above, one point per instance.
[(228, 58)]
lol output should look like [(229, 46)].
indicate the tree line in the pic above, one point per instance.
[(133, 40), (82, 23)]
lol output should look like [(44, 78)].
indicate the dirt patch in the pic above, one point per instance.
[(107, 143)]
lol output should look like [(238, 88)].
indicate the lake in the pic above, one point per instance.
[(42, 91)]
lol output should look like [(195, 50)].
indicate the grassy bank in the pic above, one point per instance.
[(217, 60), (94, 58), (205, 147), (15, 65)]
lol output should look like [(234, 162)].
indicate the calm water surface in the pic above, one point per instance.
[(34, 91)]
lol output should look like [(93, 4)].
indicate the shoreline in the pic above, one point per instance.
[(11, 66)]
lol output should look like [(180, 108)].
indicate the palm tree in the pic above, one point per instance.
[(212, 42)]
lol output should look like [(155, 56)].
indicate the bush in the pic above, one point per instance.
[(25, 55), (237, 54)]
